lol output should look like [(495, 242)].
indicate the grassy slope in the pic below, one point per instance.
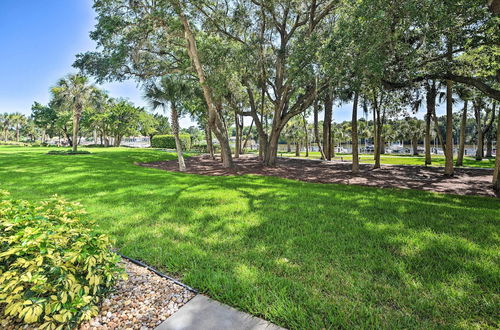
[(298, 254), (400, 159)]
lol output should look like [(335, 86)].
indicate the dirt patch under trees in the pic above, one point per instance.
[(466, 181)]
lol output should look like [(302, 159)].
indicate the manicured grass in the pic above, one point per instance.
[(437, 160), (301, 255)]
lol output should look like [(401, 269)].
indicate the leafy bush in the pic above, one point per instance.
[(68, 152), (14, 143), (54, 269), (168, 141), (201, 147)]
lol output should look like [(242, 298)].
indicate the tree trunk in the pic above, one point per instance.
[(306, 134), (297, 149), (248, 136), (480, 135), (76, 122), (208, 137), (288, 147), (488, 132), (448, 168), (272, 149), (374, 132), (68, 138), (377, 127), (262, 136), (414, 142), (332, 143), (489, 146), (438, 133), (175, 129), (237, 142), (430, 99), (427, 139), (448, 153), (213, 115), (463, 124), (354, 134), (496, 172), (17, 132), (327, 125), (316, 129)]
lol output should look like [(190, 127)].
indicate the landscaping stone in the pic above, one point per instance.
[(143, 301)]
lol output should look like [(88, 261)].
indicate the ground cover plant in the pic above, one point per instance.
[(301, 255), (54, 268), (68, 152)]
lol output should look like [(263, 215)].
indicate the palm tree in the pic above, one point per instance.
[(170, 91), (17, 120), (416, 130), (294, 132), (99, 115), (388, 136), (76, 93), (5, 123), (364, 132), (346, 131)]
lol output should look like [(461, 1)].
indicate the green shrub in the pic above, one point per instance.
[(54, 268), (201, 147), (14, 143), (68, 152), (168, 141)]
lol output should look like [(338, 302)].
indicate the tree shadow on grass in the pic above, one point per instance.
[(299, 254), (324, 252)]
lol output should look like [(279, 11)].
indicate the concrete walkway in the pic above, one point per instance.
[(204, 313)]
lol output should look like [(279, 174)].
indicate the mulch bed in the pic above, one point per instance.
[(466, 181)]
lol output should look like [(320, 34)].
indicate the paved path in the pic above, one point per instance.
[(204, 313)]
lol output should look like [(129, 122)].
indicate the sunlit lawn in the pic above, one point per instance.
[(301, 255), (394, 159)]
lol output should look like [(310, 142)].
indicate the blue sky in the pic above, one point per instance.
[(40, 39), (39, 42)]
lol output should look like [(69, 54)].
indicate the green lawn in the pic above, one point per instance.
[(301, 255), (392, 159)]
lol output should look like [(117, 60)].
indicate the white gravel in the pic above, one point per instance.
[(143, 301)]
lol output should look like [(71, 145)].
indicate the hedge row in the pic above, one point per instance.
[(168, 141)]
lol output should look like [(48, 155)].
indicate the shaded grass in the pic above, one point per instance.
[(302, 255), (391, 159)]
